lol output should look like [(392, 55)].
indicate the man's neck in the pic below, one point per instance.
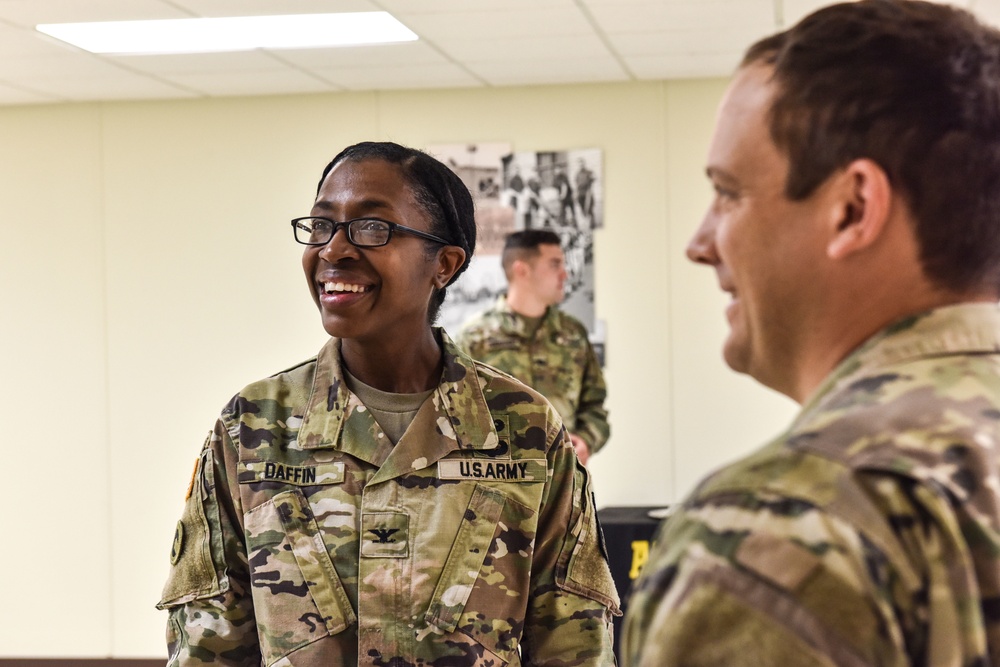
[(843, 337), (525, 303)]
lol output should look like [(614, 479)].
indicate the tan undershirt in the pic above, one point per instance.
[(531, 324), (393, 412)]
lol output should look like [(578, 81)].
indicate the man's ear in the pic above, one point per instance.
[(450, 258), (863, 202), (520, 268)]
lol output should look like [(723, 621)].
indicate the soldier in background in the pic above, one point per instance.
[(856, 228), (526, 335), (390, 501)]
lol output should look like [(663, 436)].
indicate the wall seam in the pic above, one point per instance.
[(671, 339), (102, 177)]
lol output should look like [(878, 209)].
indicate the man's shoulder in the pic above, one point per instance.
[(480, 322), (931, 419)]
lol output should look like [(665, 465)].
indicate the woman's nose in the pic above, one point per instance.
[(338, 246)]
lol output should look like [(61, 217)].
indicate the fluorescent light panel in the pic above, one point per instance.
[(239, 33)]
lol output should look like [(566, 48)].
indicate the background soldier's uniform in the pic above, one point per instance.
[(309, 539), (558, 361), (867, 534)]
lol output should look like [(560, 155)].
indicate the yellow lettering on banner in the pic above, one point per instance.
[(640, 554)]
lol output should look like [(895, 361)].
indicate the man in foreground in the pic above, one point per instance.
[(526, 335), (856, 228)]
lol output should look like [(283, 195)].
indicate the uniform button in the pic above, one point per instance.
[(498, 424)]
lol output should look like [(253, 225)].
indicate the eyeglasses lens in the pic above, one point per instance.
[(369, 232)]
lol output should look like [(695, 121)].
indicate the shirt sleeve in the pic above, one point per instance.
[(207, 594), (591, 416), (573, 596), (753, 579)]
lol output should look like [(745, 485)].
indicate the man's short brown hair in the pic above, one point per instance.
[(523, 245), (915, 87)]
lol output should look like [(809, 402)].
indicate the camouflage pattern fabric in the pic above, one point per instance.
[(867, 534), (558, 361), (309, 539)]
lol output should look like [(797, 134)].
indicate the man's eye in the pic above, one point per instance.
[(724, 193)]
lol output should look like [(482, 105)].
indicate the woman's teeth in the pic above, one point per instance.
[(330, 288)]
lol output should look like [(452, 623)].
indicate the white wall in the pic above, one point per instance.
[(149, 274)]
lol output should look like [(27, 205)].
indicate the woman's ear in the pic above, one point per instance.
[(863, 205), (449, 259)]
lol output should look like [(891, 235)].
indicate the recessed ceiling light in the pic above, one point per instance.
[(239, 33)]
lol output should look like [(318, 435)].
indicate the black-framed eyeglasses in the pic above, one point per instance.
[(361, 232)]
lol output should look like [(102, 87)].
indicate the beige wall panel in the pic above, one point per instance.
[(55, 560)]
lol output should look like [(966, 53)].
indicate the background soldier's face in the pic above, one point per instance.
[(548, 273)]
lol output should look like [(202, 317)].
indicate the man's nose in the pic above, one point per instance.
[(701, 248)]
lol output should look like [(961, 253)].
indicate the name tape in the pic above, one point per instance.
[(528, 470), (270, 471)]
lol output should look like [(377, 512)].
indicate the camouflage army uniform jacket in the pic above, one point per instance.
[(308, 539), (559, 362), (867, 534)]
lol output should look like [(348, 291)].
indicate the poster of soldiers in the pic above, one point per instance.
[(556, 190)]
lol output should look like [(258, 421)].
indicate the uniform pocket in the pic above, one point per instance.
[(461, 569), (298, 597)]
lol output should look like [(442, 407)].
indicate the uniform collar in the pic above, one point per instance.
[(513, 322), (456, 414), (967, 328)]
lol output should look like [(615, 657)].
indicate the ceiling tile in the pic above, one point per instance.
[(689, 42), (541, 22), (261, 82), (525, 48), (383, 55), (452, 6), (444, 75), (29, 13), (26, 70), (988, 11), (122, 86), (25, 42), (220, 64), (463, 43), (684, 66), (615, 17), (11, 95), (532, 72)]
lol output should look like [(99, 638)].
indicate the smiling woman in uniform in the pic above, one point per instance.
[(389, 502)]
